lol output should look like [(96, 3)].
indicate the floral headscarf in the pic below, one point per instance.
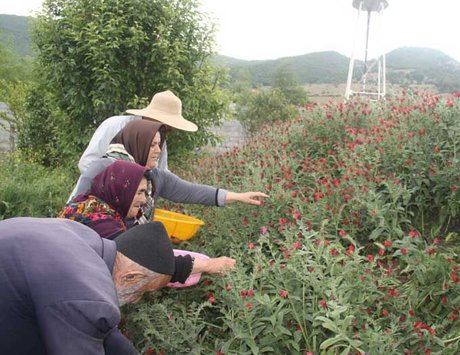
[(137, 137), (105, 206)]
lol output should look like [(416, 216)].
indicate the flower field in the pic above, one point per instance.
[(356, 250)]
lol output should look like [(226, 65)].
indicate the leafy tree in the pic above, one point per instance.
[(14, 76), (285, 81), (13, 67), (99, 57), (13, 93), (257, 107)]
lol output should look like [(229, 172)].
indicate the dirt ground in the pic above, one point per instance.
[(336, 92)]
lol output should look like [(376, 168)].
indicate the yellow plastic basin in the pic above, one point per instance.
[(178, 225)]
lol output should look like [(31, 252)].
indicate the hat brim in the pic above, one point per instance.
[(175, 121)]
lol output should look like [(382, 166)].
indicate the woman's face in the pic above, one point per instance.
[(154, 152), (139, 199)]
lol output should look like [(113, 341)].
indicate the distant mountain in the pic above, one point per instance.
[(405, 66), (320, 67), (423, 66), (14, 33)]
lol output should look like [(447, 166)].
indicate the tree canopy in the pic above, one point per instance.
[(97, 58)]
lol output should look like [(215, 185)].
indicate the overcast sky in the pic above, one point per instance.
[(270, 29)]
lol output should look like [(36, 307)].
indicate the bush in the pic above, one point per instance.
[(29, 189), (355, 251), (98, 58), (260, 107)]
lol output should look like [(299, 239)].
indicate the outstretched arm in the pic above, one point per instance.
[(253, 198), (218, 266), (173, 188)]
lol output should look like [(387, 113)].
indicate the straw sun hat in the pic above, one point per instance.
[(166, 108)]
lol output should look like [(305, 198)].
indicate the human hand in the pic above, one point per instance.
[(217, 266), (250, 197)]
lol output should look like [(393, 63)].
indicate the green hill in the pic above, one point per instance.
[(14, 33), (405, 66), (424, 66)]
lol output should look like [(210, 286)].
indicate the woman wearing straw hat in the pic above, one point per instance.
[(165, 107)]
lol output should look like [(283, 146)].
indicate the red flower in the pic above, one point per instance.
[(249, 305), (444, 300), (413, 234), (322, 303), (382, 252), (385, 312), (251, 245), (411, 312), (342, 233), (403, 251), (350, 250), (333, 252), (387, 243), (453, 276), (284, 294), (370, 258), (373, 212), (263, 230), (393, 292), (296, 215), (212, 299), (250, 293), (454, 315)]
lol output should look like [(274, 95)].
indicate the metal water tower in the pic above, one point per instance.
[(371, 78)]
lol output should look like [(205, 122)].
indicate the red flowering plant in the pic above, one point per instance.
[(356, 250)]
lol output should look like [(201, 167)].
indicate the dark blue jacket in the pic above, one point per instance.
[(57, 295)]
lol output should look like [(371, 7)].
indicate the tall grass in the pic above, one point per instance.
[(30, 189)]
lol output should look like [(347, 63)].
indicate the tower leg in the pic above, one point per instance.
[(348, 90)]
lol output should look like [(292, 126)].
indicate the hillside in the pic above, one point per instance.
[(14, 33), (405, 66), (320, 67), (425, 66)]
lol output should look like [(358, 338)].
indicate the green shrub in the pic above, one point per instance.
[(262, 107), (355, 251), (29, 189)]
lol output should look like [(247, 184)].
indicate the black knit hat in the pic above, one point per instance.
[(149, 246)]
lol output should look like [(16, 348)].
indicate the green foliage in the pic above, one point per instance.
[(12, 67), (13, 94), (14, 76), (264, 106), (40, 135), (287, 84), (29, 189), (355, 251), (96, 58), (254, 108)]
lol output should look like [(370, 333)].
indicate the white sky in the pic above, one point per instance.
[(269, 29)]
